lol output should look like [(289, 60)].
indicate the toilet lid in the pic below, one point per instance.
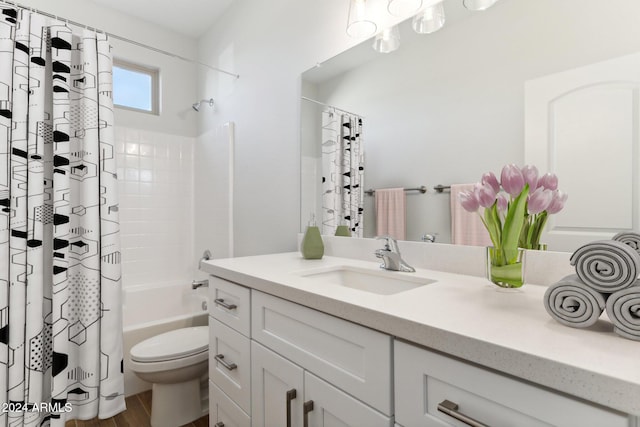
[(172, 345)]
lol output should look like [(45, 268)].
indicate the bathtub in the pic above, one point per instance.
[(152, 310)]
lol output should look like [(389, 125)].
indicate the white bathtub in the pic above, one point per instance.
[(144, 305), (152, 310)]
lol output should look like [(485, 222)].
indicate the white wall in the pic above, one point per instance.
[(467, 93), (154, 152)]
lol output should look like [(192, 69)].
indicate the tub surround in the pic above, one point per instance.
[(461, 315)]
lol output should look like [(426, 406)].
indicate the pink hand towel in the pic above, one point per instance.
[(391, 207), (466, 227)]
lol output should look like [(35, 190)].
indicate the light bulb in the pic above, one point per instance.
[(429, 20), (387, 40), (359, 25), (478, 4)]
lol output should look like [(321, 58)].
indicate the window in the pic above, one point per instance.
[(135, 87)]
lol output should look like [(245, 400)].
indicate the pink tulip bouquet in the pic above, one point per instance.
[(515, 209)]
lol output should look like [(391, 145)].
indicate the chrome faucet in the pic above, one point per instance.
[(429, 238), (199, 283), (390, 255)]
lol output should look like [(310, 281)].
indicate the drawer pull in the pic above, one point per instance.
[(451, 409), (306, 408), (229, 366), (291, 394), (220, 424), (220, 302)]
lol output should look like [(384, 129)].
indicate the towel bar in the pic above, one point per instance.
[(422, 189)]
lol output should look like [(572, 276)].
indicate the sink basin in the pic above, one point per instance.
[(375, 281)]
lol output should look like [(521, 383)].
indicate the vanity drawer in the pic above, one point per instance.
[(230, 363), (424, 379), (223, 412), (353, 358), (230, 304)]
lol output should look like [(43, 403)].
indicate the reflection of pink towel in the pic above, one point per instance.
[(466, 227), (391, 207)]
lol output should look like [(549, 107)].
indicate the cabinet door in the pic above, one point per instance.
[(276, 389), (334, 408), (223, 412)]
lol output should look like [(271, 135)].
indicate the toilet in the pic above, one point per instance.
[(174, 362)]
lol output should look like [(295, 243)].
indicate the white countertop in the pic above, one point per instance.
[(467, 317)]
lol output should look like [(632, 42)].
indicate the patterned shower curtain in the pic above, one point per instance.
[(60, 308), (342, 172)]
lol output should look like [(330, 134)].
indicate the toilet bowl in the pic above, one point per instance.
[(174, 362)]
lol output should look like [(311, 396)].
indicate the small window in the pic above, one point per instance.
[(135, 87)]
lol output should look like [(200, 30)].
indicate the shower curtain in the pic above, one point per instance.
[(342, 172), (60, 291)]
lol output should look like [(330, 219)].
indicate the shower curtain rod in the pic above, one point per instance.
[(117, 37), (331, 106)]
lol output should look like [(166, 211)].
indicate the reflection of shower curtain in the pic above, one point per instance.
[(342, 171), (60, 303)]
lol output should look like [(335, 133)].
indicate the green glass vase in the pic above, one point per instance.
[(506, 267)]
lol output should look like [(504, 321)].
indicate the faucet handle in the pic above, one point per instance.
[(390, 243)]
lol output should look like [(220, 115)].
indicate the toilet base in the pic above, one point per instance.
[(175, 404)]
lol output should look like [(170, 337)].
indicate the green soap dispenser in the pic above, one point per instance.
[(343, 229), (312, 246)]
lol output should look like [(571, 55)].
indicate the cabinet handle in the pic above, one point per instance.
[(451, 409), (291, 394), (229, 366), (220, 424), (306, 408), (220, 302)]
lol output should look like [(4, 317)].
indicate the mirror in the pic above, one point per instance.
[(446, 107)]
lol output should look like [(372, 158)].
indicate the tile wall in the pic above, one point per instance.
[(155, 173)]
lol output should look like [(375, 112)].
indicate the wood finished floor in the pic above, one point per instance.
[(138, 414)]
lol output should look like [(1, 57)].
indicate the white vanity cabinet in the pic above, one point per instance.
[(425, 380), (276, 363), (312, 369), (294, 367), (284, 394)]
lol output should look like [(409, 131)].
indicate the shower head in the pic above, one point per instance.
[(196, 106)]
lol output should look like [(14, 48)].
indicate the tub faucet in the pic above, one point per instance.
[(199, 283), (390, 255)]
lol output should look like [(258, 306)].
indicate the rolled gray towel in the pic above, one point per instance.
[(573, 303), (606, 265), (629, 238), (623, 308)]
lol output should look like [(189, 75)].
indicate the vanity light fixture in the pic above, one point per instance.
[(359, 24), (403, 7), (429, 20), (387, 40), (478, 4)]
